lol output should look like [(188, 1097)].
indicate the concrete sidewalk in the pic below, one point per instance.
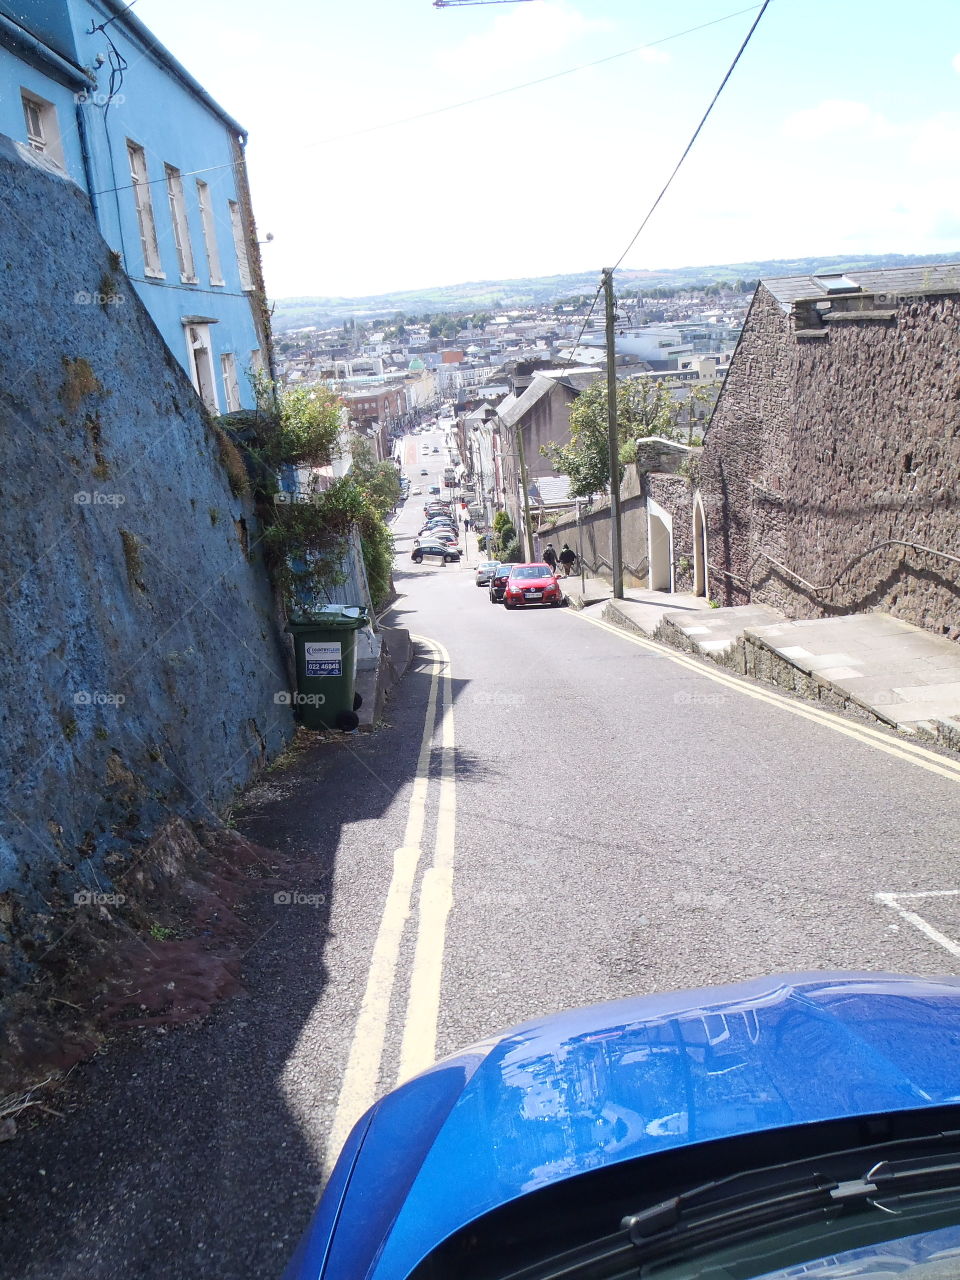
[(640, 610), (904, 676), (872, 663), (717, 633)]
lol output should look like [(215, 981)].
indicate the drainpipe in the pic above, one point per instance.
[(87, 164)]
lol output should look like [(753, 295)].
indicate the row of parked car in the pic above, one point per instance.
[(516, 586), (438, 536)]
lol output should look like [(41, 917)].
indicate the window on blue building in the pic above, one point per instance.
[(181, 229), (240, 244), (209, 232), (144, 204), (231, 387), (43, 132)]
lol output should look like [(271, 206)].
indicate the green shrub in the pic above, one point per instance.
[(307, 542), (298, 425)]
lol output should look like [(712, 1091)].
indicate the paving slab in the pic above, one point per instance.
[(901, 674), (639, 610), (715, 633)]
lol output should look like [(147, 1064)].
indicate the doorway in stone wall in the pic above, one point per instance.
[(660, 543), (699, 548)]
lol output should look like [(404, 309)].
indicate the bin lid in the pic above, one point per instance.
[(335, 617)]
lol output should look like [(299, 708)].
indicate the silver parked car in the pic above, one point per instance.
[(485, 571)]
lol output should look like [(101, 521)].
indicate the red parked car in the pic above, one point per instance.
[(532, 584)]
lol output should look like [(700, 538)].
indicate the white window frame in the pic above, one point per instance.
[(181, 228), (44, 137), (240, 244), (140, 182), (256, 361), (200, 350), (209, 233), (231, 385)]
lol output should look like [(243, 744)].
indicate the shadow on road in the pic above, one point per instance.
[(182, 1153)]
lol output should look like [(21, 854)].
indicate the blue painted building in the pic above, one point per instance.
[(86, 84)]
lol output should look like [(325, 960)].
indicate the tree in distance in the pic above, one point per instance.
[(644, 408)]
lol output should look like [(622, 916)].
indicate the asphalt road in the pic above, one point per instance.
[(590, 818)]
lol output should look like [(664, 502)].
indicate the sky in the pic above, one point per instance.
[(838, 132)]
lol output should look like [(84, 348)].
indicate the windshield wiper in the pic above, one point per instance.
[(749, 1203), (699, 1216)]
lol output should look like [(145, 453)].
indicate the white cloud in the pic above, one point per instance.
[(530, 33), (956, 62), (835, 115)]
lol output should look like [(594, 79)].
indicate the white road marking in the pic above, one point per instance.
[(362, 1075), (892, 900), (418, 1048)]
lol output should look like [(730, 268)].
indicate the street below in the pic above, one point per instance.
[(553, 814)]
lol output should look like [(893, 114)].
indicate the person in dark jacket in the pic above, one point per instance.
[(550, 557), (568, 559)]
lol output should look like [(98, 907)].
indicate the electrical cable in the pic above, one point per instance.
[(696, 133), (487, 97)]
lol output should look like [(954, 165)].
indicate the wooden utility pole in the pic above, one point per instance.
[(616, 532)]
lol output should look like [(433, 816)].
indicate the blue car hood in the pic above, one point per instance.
[(566, 1094)]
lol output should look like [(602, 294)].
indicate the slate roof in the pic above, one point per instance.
[(898, 281), (511, 413)]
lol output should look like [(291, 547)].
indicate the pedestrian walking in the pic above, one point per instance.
[(466, 524), (550, 557), (568, 559)]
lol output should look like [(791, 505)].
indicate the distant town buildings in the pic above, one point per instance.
[(391, 374)]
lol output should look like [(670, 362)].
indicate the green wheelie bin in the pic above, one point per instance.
[(326, 654)]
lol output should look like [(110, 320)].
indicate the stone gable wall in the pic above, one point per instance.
[(822, 448)]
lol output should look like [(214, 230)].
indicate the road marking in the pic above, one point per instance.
[(362, 1075), (418, 1048), (892, 900), (923, 757)]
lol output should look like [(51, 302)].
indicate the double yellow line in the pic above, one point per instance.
[(360, 1086), (910, 752)]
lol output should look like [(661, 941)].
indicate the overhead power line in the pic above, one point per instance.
[(696, 133), (485, 97), (456, 4)]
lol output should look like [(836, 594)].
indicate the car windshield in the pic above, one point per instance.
[(533, 571)]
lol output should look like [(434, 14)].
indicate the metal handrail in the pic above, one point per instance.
[(828, 586)]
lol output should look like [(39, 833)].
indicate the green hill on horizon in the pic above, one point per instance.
[(501, 295)]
